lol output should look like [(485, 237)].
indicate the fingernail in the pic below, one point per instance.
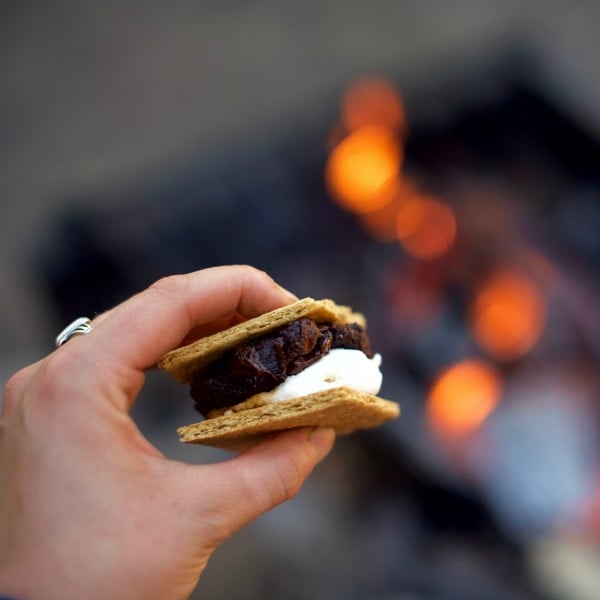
[(322, 440)]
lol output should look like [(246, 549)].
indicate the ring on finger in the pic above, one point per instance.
[(79, 326)]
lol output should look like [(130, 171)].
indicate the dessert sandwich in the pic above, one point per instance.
[(308, 364)]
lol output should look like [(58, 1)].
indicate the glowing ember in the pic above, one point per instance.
[(362, 169), (373, 101), (462, 397), (381, 223), (508, 315), (363, 174), (425, 227)]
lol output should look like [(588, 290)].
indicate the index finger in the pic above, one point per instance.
[(140, 331)]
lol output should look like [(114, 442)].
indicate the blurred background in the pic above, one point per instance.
[(435, 165)]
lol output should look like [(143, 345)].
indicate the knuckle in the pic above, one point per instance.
[(56, 374), (15, 383), (291, 477), (13, 389), (283, 484), (170, 286), (40, 385), (246, 271), (47, 405), (251, 271), (173, 289)]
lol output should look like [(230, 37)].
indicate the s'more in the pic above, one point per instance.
[(308, 364)]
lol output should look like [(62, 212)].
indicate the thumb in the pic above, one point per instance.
[(262, 477)]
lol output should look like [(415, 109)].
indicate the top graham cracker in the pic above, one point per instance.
[(183, 363)]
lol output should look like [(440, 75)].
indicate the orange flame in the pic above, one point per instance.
[(363, 173), (381, 223), (373, 101), (508, 315), (425, 227), (362, 169), (462, 397)]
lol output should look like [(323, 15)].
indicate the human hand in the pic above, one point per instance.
[(88, 507)]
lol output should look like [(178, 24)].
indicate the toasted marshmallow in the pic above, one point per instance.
[(341, 367)]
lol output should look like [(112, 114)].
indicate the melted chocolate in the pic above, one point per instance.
[(261, 364)]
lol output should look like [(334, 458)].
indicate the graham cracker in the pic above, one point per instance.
[(343, 409), (183, 363)]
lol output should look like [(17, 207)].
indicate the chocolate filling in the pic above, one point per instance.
[(261, 364)]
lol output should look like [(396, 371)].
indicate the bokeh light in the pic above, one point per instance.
[(381, 223), (373, 100), (508, 314), (362, 169), (426, 227), (462, 397)]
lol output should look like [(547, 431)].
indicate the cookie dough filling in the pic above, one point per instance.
[(289, 362)]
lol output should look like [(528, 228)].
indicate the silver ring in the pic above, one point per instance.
[(77, 327)]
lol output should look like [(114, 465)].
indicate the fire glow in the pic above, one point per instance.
[(462, 397), (373, 101), (508, 314), (364, 174), (362, 168), (425, 227)]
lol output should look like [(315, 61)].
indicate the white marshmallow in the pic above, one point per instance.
[(340, 367)]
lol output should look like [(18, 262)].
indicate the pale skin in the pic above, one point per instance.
[(88, 507)]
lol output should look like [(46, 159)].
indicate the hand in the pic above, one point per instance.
[(88, 507)]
